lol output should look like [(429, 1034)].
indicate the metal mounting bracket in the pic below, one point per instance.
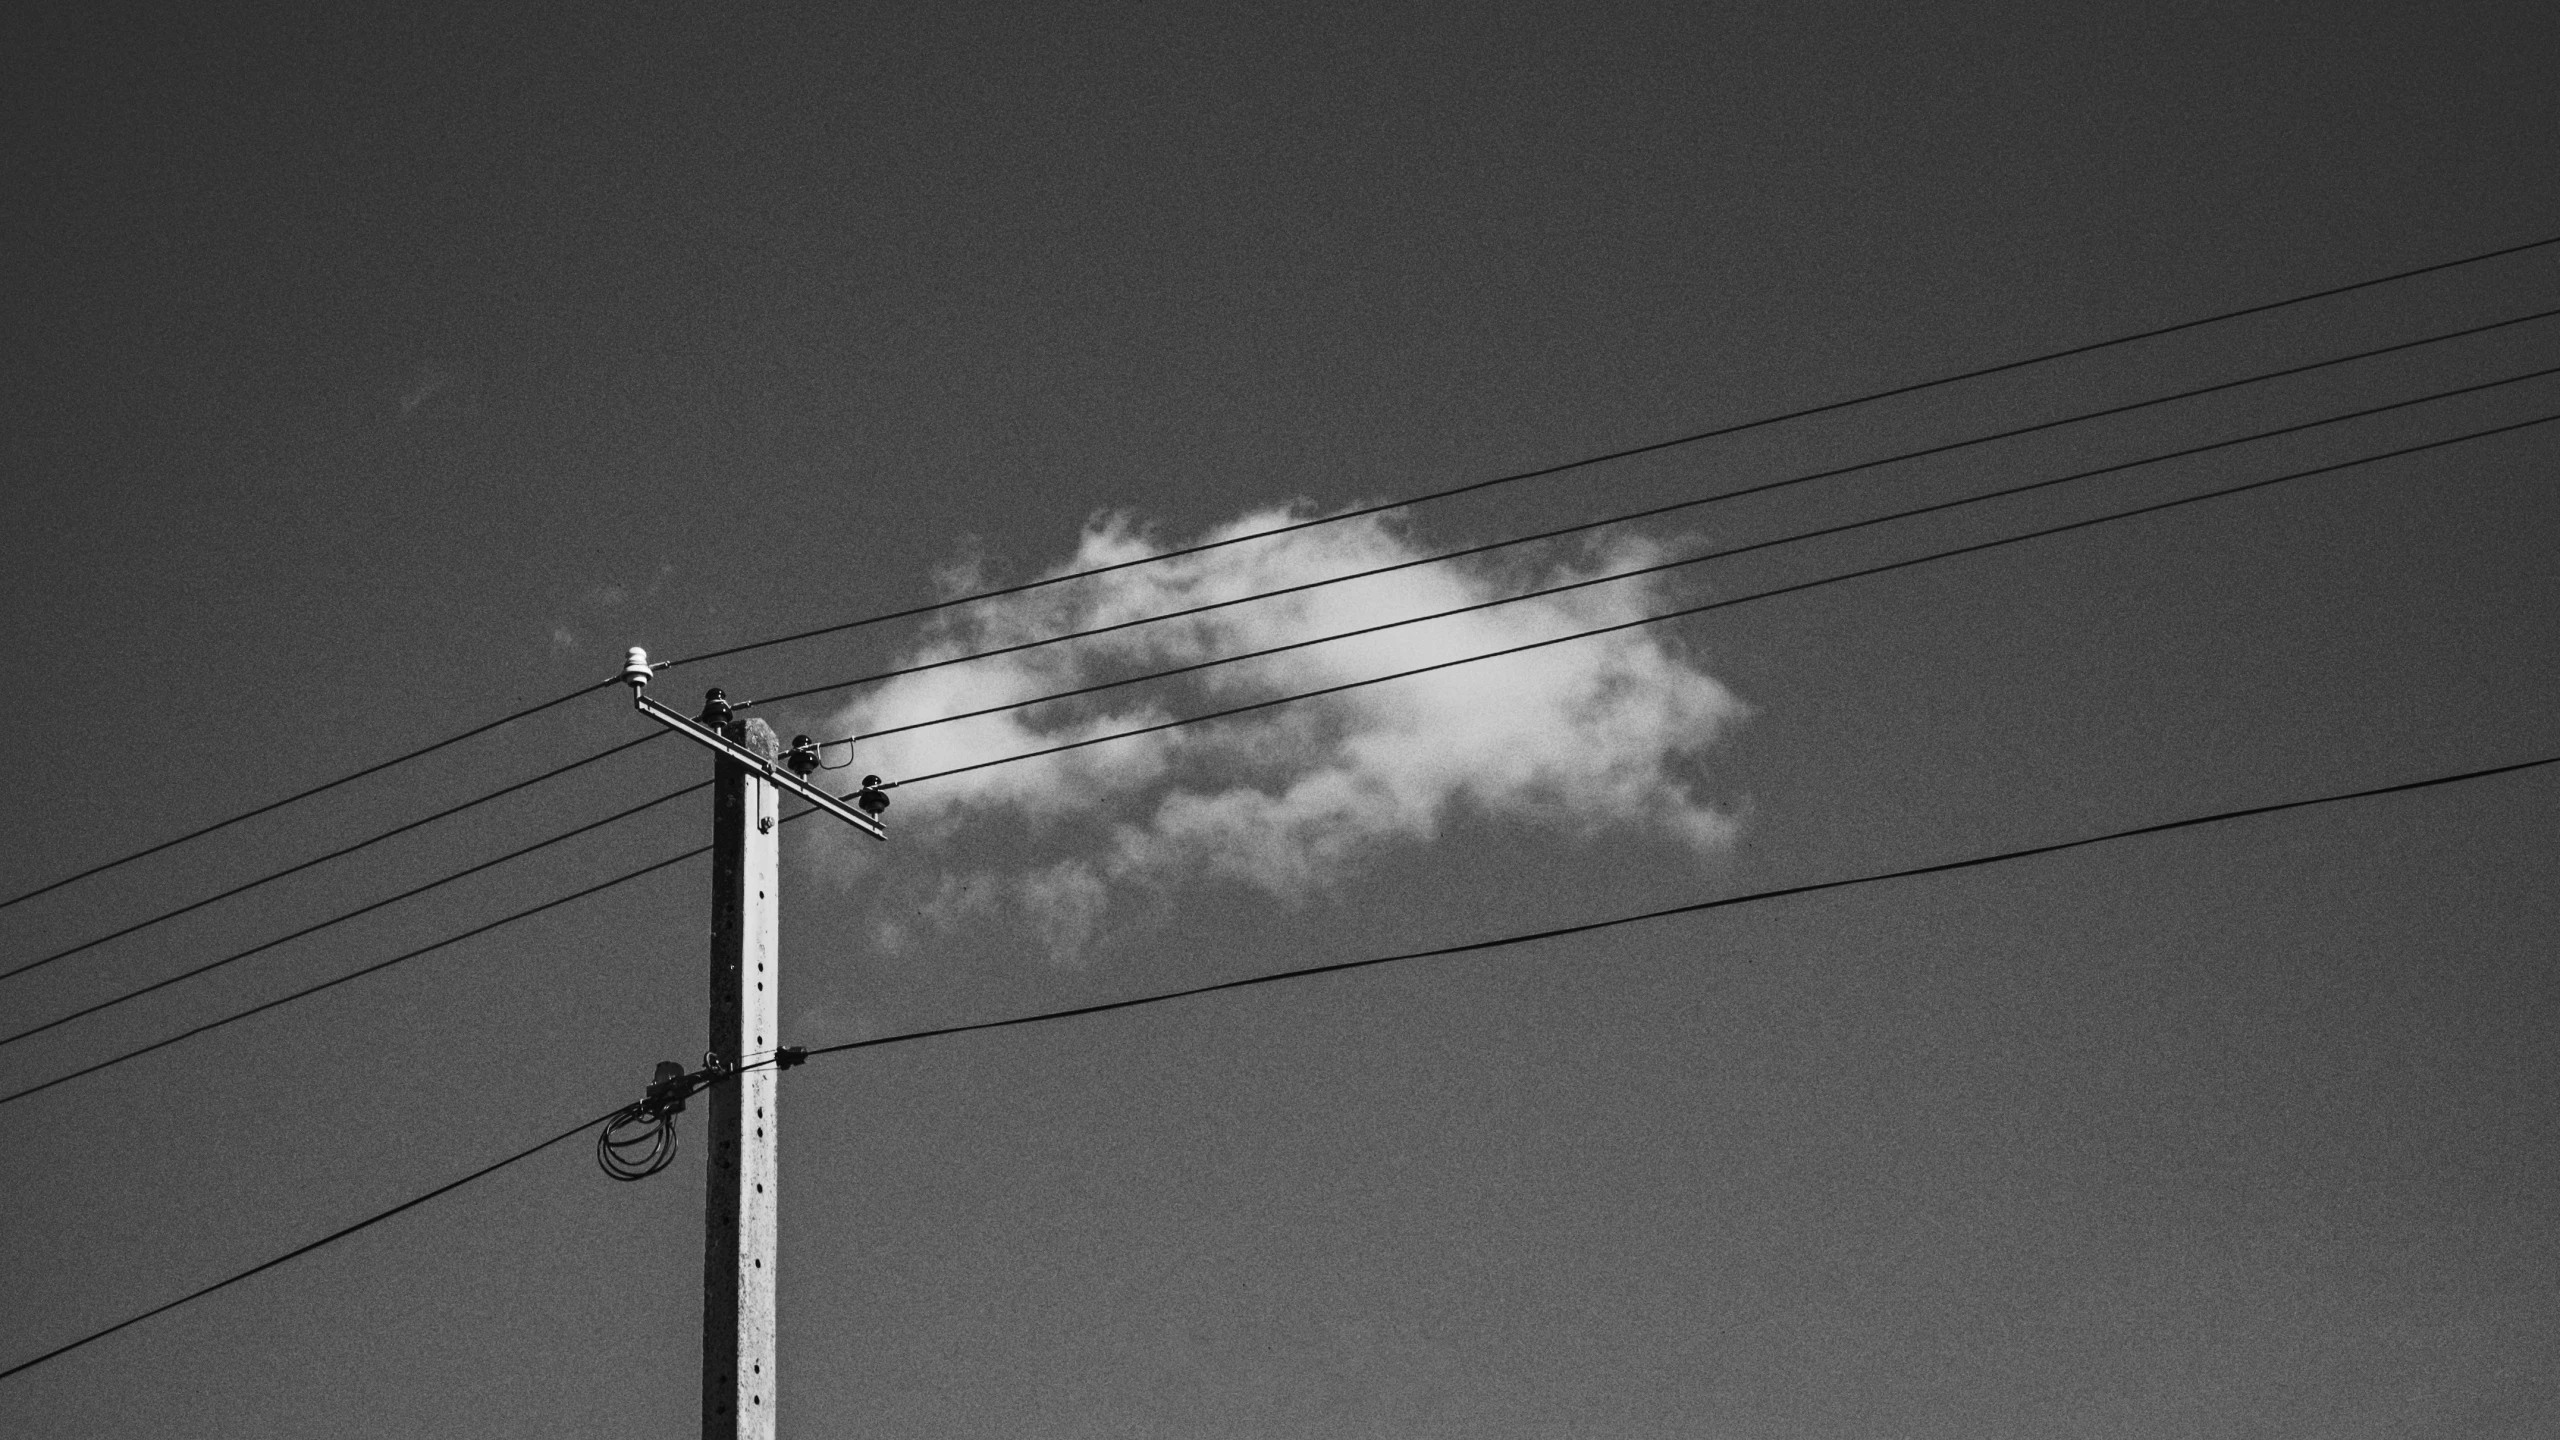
[(637, 675)]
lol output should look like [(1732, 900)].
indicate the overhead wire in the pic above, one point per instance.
[(1716, 432), (1654, 511), (640, 1139), (338, 854), (1712, 605), (403, 957), (298, 796), (334, 981), (299, 1251), (1498, 942), (1793, 588), (1630, 452), (1441, 557), (1695, 907), (1724, 553), (344, 916)]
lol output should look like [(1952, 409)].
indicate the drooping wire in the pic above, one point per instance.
[(636, 1143), (1340, 967), (1734, 428), (1724, 553), (640, 1139), (1712, 605), (1656, 511)]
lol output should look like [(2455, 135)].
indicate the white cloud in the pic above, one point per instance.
[(1583, 738)]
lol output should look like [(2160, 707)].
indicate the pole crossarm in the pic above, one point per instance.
[(761, 765)]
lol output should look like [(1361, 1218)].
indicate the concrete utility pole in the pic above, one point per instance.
[(742, 1190)]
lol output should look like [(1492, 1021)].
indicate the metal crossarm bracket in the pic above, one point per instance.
[(636, 674)]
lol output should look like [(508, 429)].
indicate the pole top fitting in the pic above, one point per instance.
[(636, 669), (803, 756)]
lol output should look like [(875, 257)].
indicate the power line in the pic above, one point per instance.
[(1655, 511), (1648, 513), (1718, 432), (1699, 906), (299, 1251), (301, 795), (1718, 604), (1725, 553), (339, 853), (364, 909), (1339, 967), (1734, 428), (1306, 695), (310, 990)]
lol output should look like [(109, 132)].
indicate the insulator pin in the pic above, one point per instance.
[(803, 757)]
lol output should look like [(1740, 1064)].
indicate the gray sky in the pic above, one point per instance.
[(373, 377)]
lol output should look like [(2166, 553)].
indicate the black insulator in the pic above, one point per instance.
[(871, 802), (715, 706), (803, 757)]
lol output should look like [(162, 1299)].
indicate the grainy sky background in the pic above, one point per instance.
[(373, 374)]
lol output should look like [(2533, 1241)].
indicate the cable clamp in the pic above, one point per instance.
[(667, 1091)]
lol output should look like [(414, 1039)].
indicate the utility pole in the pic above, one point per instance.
[(742, 1190)]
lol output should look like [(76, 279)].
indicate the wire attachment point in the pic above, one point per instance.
[(640, 1138), (803, 756)]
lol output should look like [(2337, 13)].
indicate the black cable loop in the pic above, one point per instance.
[(640, 1139), (628, 1153)]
